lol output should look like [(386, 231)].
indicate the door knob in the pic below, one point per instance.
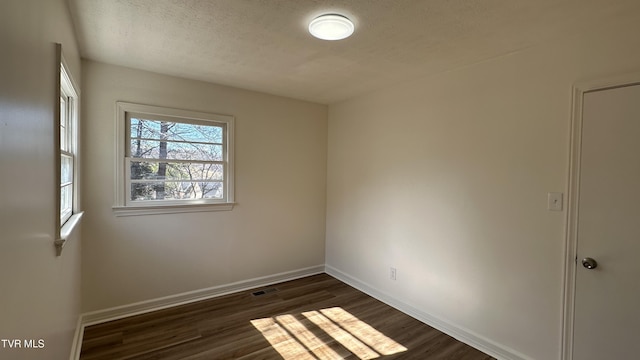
[(589, 263)]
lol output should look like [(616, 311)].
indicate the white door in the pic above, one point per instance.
[(607, 298)]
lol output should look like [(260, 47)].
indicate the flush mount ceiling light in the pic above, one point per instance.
[(331, 27)]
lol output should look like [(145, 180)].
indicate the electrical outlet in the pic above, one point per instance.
[(392, 273)]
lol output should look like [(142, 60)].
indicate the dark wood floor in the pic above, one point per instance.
[(316, 318)]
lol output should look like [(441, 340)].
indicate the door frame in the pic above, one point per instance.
[(573, 199)]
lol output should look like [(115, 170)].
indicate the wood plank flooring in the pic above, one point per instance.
[(315, 318)]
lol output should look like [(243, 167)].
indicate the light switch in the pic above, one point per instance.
[(554, 201)]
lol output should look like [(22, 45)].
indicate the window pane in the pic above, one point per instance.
[(66, 169), (154, 129), (157, 190), (66, 200), (176, 171), (151, 149), (63, 123)]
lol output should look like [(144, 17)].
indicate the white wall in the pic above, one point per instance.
[(445, 178), (277, 226), (39, 292)]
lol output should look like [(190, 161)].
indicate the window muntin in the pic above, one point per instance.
[(173, 158)]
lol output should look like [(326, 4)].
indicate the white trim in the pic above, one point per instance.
[(571, 236), (466, 336), (571, 226), (173, 209), (76, 345), (70, 225), (121, 205), (74, 84), (66, 231)]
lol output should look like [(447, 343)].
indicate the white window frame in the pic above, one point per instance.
[(68, 139), (124, 207), (69, 120)]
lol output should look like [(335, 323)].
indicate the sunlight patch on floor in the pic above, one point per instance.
[(292, 339), (347, 340), (307, 338), (363, 331), (280, 339)]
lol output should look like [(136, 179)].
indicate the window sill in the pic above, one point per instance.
[(66, 230), (169, 209)]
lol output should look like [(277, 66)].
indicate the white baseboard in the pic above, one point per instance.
[(466, 336), (119, 312), (479, 342), (76, 345)]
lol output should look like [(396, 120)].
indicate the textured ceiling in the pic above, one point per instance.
[(264, 45)]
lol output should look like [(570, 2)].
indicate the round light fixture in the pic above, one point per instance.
[(331, 27)]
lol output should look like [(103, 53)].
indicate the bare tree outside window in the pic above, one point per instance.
[(175, 161)]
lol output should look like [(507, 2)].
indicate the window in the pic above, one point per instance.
[(68, 120), (172, 160), (68, 213)]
